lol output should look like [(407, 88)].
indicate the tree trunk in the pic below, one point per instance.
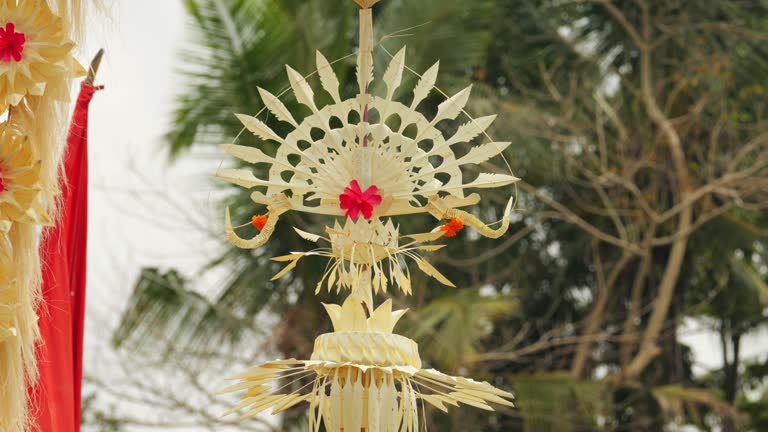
[(596, 316), (648, 347), (731, 378), (629, 339)]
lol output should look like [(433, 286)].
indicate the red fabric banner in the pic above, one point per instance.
[(57, 397)]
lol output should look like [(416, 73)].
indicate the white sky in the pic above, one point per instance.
[(144, 211)]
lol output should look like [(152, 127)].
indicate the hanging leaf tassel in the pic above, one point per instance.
[(266, 224), (260, 240), (438, 211)]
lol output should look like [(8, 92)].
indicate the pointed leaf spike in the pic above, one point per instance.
[(488, 180), (481, 153), (471, 130), (393, 77), (452, 107), (334, 312), (328, 78), (258, 128), (365, 57), (277, 107), (381, 317), (301, 88), (396, 315), (425, 85), (307, 236)]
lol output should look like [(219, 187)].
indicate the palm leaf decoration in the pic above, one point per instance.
[(239, 46)]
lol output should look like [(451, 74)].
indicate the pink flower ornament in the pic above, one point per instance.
[(355, 201), (11, 43)]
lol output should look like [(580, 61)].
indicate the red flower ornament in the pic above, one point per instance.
[(11, 43), (355, 201)]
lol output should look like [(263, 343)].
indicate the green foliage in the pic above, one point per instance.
[(163, 308), (757, 410), (452, 327), (678, 403), (240, 46), (97, 419), (558, 402)]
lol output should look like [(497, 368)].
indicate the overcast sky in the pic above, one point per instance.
[(143, 209)]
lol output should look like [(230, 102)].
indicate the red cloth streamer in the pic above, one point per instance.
[(56, 398)]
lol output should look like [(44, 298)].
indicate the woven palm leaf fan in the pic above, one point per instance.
[(365, 377)]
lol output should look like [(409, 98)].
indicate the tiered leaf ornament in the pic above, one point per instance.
[(20, 189), (20, 202), (36, 68), (365, 377)]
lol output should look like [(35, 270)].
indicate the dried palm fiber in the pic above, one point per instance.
[(41, 117)]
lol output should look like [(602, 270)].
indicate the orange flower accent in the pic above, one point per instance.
[(452, 227), (259, 221)]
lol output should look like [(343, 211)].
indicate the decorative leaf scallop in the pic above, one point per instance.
[(247, 180), (328, 78), (487, 180), (248, 154), (393, 77), (471, 130), (277, 107), (307, 236), (258, 128), (483, 181), (483, 152), (425, 85), (453, 106), (302, 90)]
